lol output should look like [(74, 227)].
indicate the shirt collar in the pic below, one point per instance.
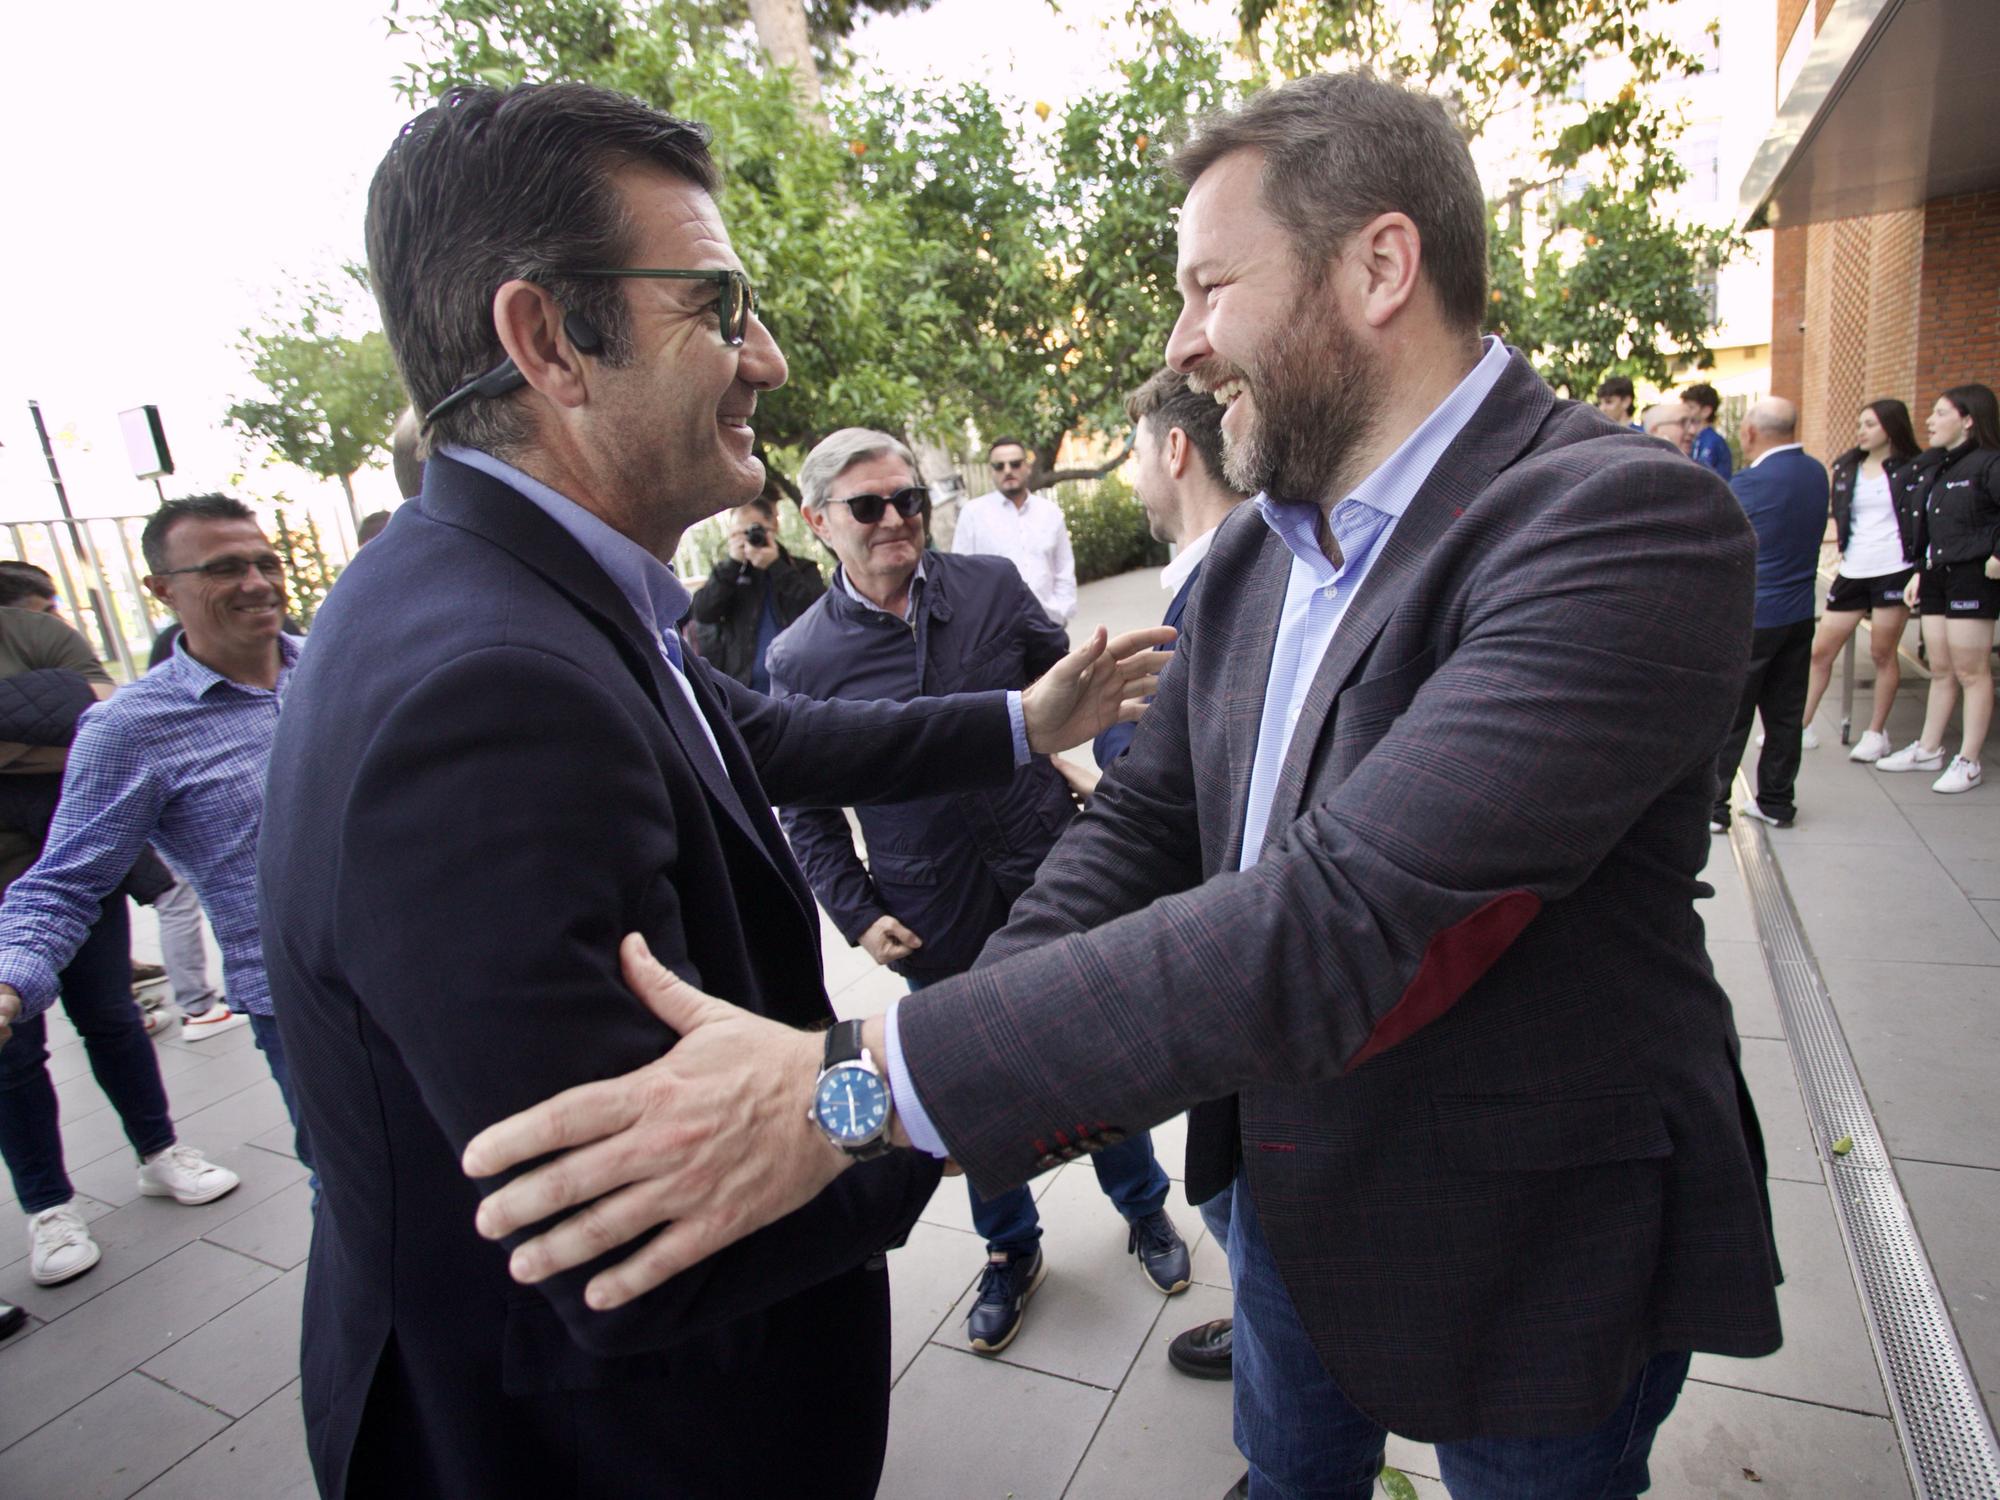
[(1392, 487), (840, 582), (1774, 452), (656, 595), (197, 677), (1185, 561)]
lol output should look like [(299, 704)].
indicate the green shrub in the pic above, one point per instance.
[(1107, 529)]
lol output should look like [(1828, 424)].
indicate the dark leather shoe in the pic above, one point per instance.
[(1163, 1254), (11, 1318), (1004, 1289), (1203, 1352), (1239, 1490)]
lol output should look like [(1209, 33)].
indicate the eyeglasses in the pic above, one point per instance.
[(734, 304), (1002, 465), (733, 307), (233, 569), (868, 509)]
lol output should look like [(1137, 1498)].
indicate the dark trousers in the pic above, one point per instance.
[(1775, 686), (97, 992), (265, 1030)]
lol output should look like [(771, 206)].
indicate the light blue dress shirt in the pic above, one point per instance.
[(1316, 598)]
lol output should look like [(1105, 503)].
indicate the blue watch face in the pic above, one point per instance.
[(852, 1104)]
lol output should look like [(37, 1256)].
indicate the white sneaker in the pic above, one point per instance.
[(1809, 738), (1961, 775), (59, 1246), (1913, 757), (217, 1019), (1874, 745), (186, 1176), (159, 1016)]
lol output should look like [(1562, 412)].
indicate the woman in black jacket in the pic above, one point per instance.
[(1955, 487), (1878, 549)]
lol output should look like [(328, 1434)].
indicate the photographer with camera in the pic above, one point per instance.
[(751, 595)]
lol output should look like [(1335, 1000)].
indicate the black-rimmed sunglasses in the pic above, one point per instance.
[(868, 509)]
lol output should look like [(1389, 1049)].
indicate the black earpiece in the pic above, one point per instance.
[(583, 333)]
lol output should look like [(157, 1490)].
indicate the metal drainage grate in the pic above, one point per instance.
[(1947, 1439)]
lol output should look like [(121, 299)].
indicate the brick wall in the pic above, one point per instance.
[(1861, 302), (1959, 300), (1789, 12), (1788, 310)]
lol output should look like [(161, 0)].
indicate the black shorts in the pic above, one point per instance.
[(1860, 595), (1959, 591)]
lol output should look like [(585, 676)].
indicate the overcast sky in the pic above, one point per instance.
[(171, 167)]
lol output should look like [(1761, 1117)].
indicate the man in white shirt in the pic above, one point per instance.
[(1024, 527)]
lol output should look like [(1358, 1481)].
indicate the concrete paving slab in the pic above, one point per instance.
[(239, 1118), (277, 1231), (263, 1456), (1905, 908), (1788, 1140), (83, 1352), (1957, 1213), (1791, 1450), (1163, 1422), (240, 1359), (1096, 1307), (1966, 841), (1843, 802), (1990, 910), (1741, 971), (951, 1205), (241, 1039), (1826, 1358), (1211, 1266), (279, 1139), (926, 1279), (111, 1445), (982, 1429), (1923, 1038)]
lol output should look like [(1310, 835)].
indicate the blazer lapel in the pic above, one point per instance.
[(1249, 672), (1500, 430)]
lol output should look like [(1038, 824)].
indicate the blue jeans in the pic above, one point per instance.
[(265, 1030), (1305, 1441), (1127, 1174), (96, 991)]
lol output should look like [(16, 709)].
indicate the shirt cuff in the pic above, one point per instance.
[(1017, 720), (32, 979), (903, 1091)]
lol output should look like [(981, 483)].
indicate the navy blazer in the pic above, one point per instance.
[(1113, 743), (483, 778), (1785, 497), (946, 864)]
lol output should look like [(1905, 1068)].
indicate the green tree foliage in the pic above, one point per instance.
[(1108, 530), (330, 398), (1589, 276)]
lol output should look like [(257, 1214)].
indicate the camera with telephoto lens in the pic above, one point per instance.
[(757, 536)]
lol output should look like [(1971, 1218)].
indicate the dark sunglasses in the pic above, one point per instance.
[(867, 509), (1001, 465)]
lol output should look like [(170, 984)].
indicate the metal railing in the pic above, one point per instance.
[(96, 564)]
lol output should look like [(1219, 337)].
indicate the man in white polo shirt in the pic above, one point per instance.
[(1024, 527)]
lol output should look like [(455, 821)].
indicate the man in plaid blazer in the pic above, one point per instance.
[(1395, 886)]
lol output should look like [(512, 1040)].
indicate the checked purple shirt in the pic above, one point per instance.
[(176, 760)]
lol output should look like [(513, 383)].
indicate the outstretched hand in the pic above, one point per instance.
[(712, 1140), (1101, 683)]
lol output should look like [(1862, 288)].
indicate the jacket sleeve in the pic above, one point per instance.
[(1360, 924), (486, 892), (712, 600), (824, 844), (797, 584), (1045, 643)]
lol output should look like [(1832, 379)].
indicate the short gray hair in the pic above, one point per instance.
[(840, 452)]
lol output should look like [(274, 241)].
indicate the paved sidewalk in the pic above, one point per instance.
[(170, 1369)]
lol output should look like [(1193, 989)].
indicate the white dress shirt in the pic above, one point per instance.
[(1033, 537)]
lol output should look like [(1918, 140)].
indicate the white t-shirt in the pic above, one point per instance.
[(1874, 545)]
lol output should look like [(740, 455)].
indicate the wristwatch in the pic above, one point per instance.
[(851, 1103)]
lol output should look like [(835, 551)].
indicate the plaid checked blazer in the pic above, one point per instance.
[(1457, 1023)]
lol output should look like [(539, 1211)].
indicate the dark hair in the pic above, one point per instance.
[(153, 540), (1895, 420), (488, 186), (1341, 149), (1617, 385), (762, 504), (371, 527), (1008, 442), (1976, 404), (19, 567), (16, 587), (1703, 395), (1171, 402)]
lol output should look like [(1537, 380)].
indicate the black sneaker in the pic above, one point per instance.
[(11, 1318), (1163, 1254), (1204, 1351), (1004, 1289)]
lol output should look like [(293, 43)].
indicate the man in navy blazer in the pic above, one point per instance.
[(493, 764), (1784, 492)]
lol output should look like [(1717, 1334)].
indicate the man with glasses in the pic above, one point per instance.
[(176, 760), (943, 868), (1024, 526), (498, 765)]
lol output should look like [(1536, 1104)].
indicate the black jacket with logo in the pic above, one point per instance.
[(1956, 494), (1844, 472)]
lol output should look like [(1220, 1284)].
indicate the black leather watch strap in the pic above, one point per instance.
[(843, 1044)]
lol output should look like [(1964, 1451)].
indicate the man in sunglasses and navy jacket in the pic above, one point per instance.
[(943, 869)]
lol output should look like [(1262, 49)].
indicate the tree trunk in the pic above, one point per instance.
[(353, 505), (785, 38)]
